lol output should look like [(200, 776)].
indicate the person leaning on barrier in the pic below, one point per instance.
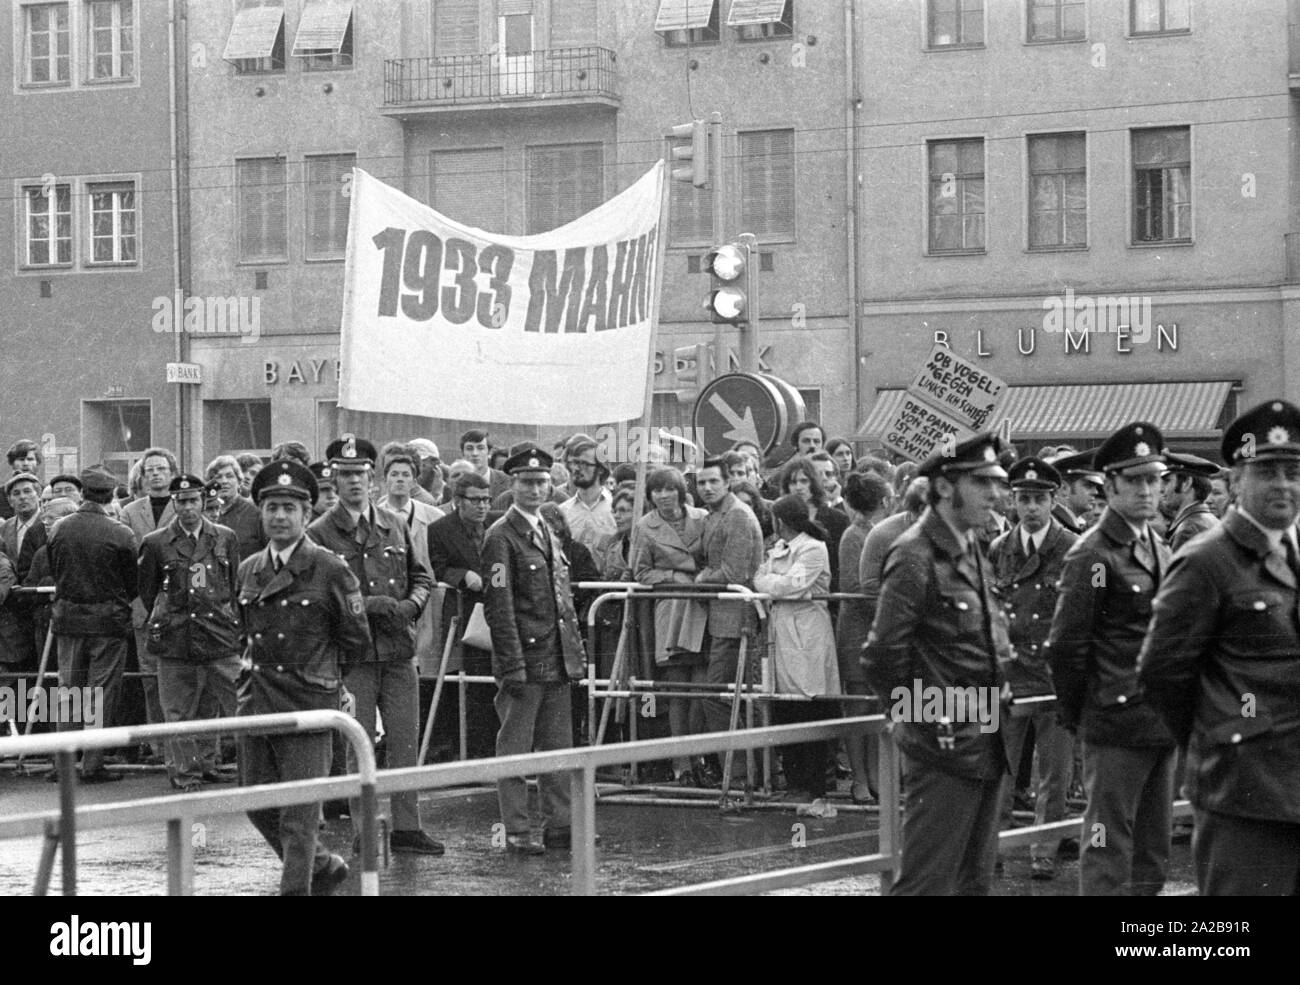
[(536, 649), (188, 577), (303, 622), (938, 626), (1027, 562), (1108, 580), (1221, 662)]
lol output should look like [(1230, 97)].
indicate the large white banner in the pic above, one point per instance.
[(442, 319)]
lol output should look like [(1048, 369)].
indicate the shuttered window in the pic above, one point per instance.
[(455, 28), (573, 23), (509, 8), (328, 180), (684, 15), (469, 186), (755, 12), (258, 25), (767, 184), (564, 182), (690, 213), (262, 211)]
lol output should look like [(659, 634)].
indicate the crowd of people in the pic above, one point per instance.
[(290, 584)]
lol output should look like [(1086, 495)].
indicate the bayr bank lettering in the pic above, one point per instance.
[(100, 939)]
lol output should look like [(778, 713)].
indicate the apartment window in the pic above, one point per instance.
[(1160, 16), (690, 213), (324, 38), (685, 22), (262, 209), (46, 44), (455, 28), (1058, 191), (1162, 185), (564, 182), (48, 226), (327, 205), (955, 23), (956, 196), (767, 184), (111, 40), (573, 23), (238, 426), (469, 186), (758, 20), (113, 222), (1056, 20), (256, 42)]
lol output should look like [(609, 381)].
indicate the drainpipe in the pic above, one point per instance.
[(181, 343), (852, 104)]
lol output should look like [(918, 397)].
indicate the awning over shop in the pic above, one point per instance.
[(257, 23), (683, 15), (755, 12), (1181, 410), (322, 28)]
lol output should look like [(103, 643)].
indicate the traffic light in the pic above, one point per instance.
[(693, 368), (693, 156), (729, 267)]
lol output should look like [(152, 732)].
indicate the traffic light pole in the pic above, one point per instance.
[(721, 362), (749, 333)]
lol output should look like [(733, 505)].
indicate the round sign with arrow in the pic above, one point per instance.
[(745, 407)]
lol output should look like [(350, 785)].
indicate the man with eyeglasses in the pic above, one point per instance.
[(589, 512), (1221, 660), (456, 554)]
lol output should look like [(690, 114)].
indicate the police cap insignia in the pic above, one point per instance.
[(1031, 475), (1141, 449), (1278, 435), (284, 479)]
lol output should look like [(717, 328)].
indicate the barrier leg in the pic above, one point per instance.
[(462, 713), (724, 802), (40, 682), (582, 820), (891, 808), (437, 691), (45, 868), (615, 681), (67, 766), (180, 858), (369, 840)]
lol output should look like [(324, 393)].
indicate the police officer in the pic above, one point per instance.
[(304, 622), (536, 649), (1027, 563), (92, 558), (1108, 581), (188, 575), (939, 626), (377, 548), (1078, 492), (1187, 485), (1222, 660)]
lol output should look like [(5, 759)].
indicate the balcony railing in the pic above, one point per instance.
[(569, 74)]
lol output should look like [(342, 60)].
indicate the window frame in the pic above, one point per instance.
[(431, 180), (23, 42), (343, 60), (792, 236), (262, 260), (1133, 192), (1030, 246), (776, 30), (308, 188), (930, 250), (689, 38), (1028, 8), (928, 28), (528, 184), (115, 185), (1163, 32), (89, 32), (25, 261), (265, 66)]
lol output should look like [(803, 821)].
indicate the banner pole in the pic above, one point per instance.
[(647, 407)]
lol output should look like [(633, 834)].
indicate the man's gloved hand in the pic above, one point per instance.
[(513, 683), (380, 605), (408, 610)]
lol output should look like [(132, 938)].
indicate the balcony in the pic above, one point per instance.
[(416, 87)]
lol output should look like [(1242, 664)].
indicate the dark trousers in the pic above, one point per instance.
[(290, 831), (804, 763), (481, 722), (723, 654), (1054, 760), (950, 833), (91, 662), (537, 718), (1124, 850), (1242, 856), (193, 692), (391, 688)]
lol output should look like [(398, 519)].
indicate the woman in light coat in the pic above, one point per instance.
[(796, 568), (667, 546)]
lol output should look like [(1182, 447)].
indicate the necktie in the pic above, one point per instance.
[(363, 529), (1033, 547), (276, 563), (1292, 561)]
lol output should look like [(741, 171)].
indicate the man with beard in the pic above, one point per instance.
[(938, 625), (589, 512), (1109, 579), (1221, 662)]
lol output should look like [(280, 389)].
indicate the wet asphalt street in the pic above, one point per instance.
[(642, 848)]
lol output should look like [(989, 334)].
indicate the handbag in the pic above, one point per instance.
[(477, 634)]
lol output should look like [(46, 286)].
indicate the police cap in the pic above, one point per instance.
[(1033, 475), (977, 456), (285, 477), (527, 459), (1271, 430), (1139, 443)]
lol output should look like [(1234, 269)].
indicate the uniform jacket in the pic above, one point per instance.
[(1062, 515), (244, 518), (417, 517), (18, 613), (92, 557), (938, 622), (1101, 616), (303, 626), (386, 567), (1026, 586), (190, 589), (801, 631), (1192, 520), (732, 551), (1221, 664), (529, 604)]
